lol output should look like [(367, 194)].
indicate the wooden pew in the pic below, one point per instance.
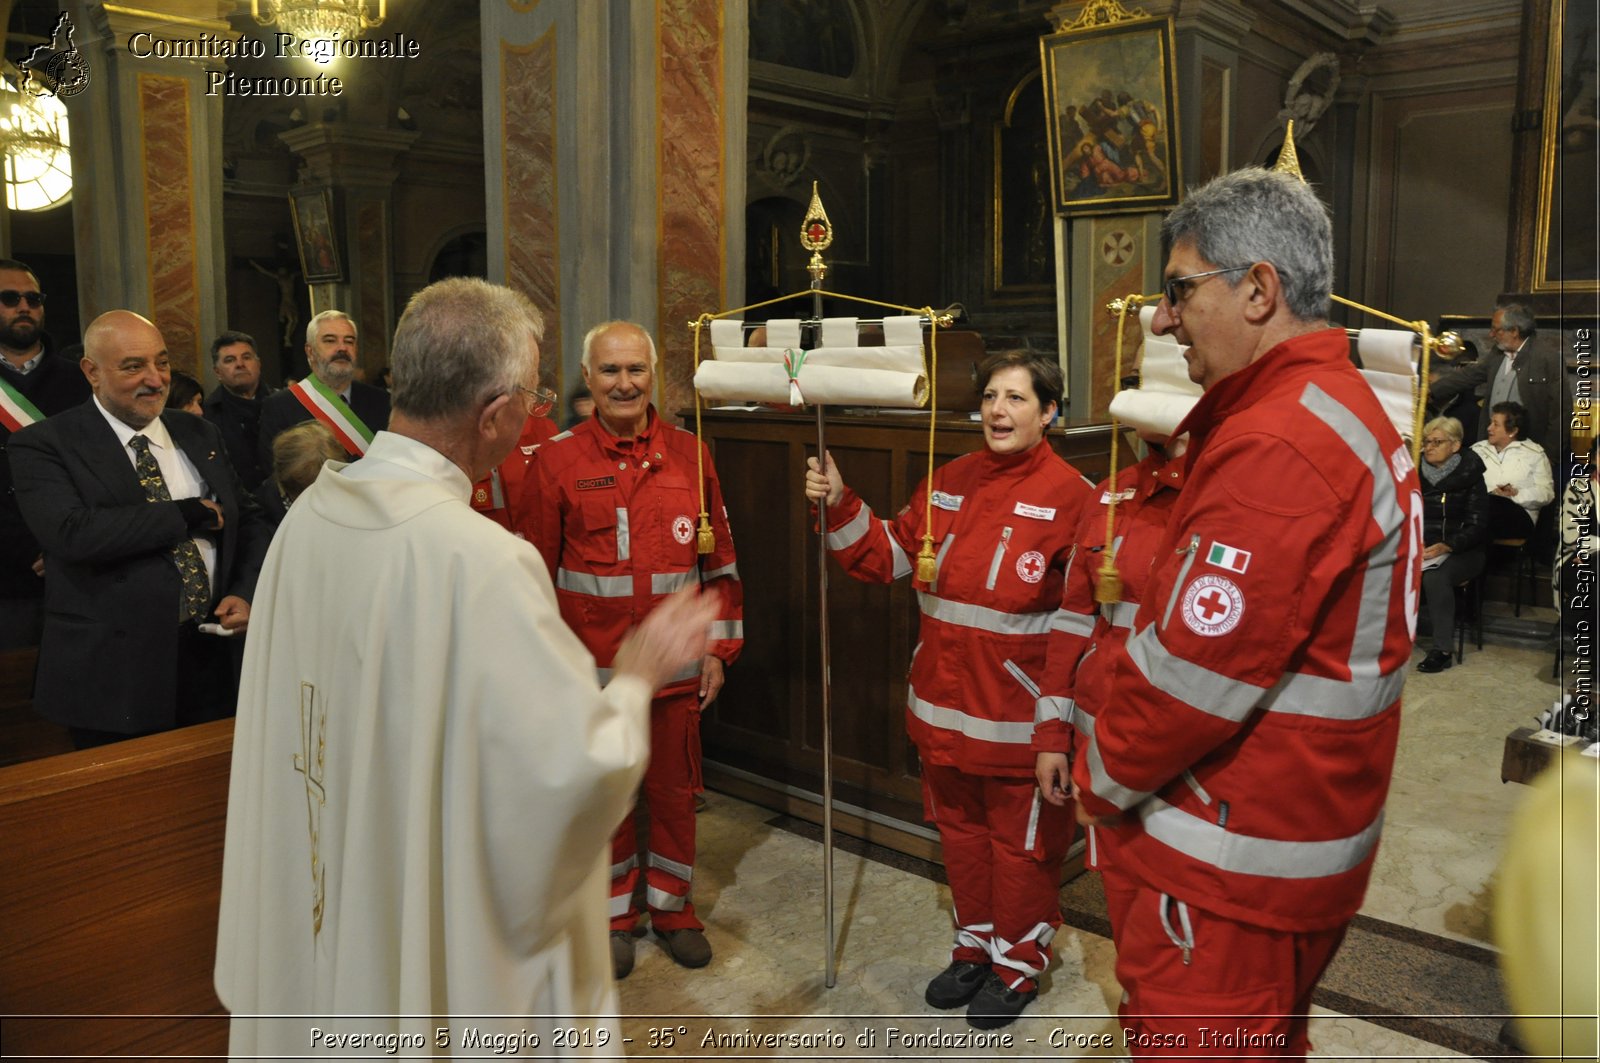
[(113, 869)]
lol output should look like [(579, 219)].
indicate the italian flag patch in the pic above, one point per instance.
[(1229, 557)]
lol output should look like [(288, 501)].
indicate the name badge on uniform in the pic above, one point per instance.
[(1106, 497), (1036, 512), (594, 483), (950, 502)]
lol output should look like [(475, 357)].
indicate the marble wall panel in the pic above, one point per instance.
[(1117, 263), (532, 235), (169, 216), (372, 300), (690, 172)]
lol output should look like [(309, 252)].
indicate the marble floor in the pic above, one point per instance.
[(758, 886)]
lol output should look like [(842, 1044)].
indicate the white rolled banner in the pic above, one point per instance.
[(836, 373), (1388, 364), (819, 384)]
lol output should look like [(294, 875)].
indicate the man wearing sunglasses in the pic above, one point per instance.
[(1245, 756), (35, 383)]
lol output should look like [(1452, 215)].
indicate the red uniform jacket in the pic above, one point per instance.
[(494, 495), (1257, 699), (615, 520), (1003, 528)]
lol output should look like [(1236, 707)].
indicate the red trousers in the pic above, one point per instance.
[(1237, 991), (670, 783), (1003, 848)]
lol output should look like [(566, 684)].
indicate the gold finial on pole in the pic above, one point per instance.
[(816, 233), (1289, 159)]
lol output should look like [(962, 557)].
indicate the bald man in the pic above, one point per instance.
[(151, 547)]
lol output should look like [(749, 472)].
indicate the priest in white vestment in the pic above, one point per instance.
[(426, 775)]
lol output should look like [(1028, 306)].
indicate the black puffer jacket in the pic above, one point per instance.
[(1456, 509)]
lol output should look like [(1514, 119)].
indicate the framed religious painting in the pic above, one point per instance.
[(1111, 112), (1566, 256), (313, 230)]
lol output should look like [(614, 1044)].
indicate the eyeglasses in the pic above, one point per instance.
[(11, 297), (1437, 442), (540, 401), (1176, 295)]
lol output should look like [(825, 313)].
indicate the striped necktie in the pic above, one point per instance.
[(185, 554)]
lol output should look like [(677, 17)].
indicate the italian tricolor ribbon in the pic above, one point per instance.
[(16, 412), (330, 409)]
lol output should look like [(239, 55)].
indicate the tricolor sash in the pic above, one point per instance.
[(16, 412), (330, 409)]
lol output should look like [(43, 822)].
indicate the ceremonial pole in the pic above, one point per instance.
[(816, 234)]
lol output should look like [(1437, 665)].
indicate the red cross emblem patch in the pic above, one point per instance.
[(1030, 567), (1212, 605)]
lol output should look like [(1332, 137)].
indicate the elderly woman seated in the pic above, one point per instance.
[(1516, 473), (1455, 529)]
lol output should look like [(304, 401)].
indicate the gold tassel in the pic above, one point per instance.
[(1109, 588), (927, 562), (705, 538)]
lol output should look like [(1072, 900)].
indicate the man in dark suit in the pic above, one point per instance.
[(331, 352), (1513, 369), (147, 535), (33, 371), (235, 406)]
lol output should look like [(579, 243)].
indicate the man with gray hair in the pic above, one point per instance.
[(1513, 369), (425, 769), (353, 411), (1244, 759)]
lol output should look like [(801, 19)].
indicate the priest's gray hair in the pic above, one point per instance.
[(315, 324), (606, 326), (462, 342), (1254, 215)]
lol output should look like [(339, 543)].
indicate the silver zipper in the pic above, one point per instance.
[(999, 554), (1183, 574)]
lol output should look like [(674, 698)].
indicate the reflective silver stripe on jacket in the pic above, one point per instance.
[(1100, 781), (902, 563), (619, 905), (727, 629), (597, 586), (1242, 854), (1070, 623), (1053, 707), (1377, 582), (1210, 692), (688, 671), (681, 872), (850, 533), (1334, 699), (625, 866), (972, 726), (965, 614), (1120, 614), (624, 543), (728, 571), (670, 582), (938, 561)]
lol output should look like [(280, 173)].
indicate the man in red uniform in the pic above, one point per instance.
[(1257, 699), (496, 494), (613, 505)]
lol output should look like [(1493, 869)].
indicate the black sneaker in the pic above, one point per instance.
[(995, 1006), (956, 984), (1437, 661)]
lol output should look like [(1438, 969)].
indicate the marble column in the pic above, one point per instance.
[(147, 176), (357, 164), (614, 168)]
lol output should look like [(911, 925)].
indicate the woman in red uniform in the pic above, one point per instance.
[(1002, 522)]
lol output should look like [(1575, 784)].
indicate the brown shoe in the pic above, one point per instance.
[(688, 946), (621, 953)]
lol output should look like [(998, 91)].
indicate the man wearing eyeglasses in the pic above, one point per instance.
[(1513, 369), (613, 505), (1245, 755), (35, 382), (495, 494)]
